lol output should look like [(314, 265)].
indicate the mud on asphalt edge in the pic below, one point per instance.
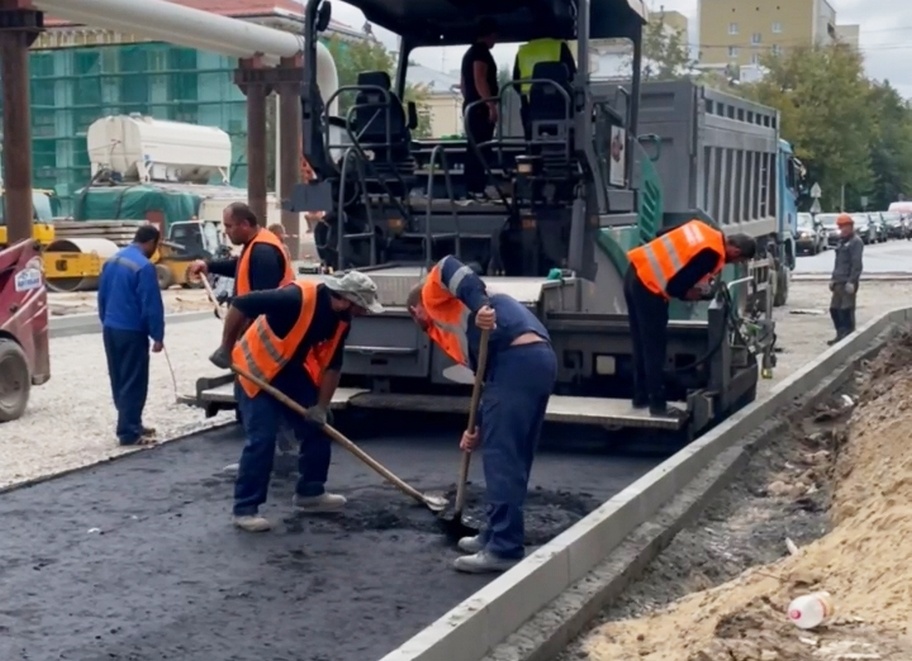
[(181, 435), (533, 611)]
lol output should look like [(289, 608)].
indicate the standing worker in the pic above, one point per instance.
[(537, 51), (453, 307), (478, 80), (847, 268), (678, 263), (279, 230), (295, 344), (263, 262), (132, 312)]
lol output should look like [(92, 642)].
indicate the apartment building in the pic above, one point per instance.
[(741, 32)]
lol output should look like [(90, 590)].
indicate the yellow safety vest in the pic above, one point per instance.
[(536, 52)]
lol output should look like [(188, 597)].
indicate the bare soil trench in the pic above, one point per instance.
[(827, 506)]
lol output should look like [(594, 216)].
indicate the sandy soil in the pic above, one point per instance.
[(864, 560)]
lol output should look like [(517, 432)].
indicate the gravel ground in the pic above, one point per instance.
[(70, 420), (136, 560)]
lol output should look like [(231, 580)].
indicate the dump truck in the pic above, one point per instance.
[(24, 347), (609, 164)]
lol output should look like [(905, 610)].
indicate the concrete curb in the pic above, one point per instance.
[(86, 324), (474, 628)]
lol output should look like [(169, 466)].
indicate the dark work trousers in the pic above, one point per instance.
[(127, 353), (842, 309), (524, 117), (261, 416), (519, 382), (648, 314), (480, 127)]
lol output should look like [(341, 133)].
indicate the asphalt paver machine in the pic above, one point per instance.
[(608, 164)]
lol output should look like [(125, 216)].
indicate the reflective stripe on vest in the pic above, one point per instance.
[(658, 261), (242, 277), (261, 353), (448, 316), (536, 52)]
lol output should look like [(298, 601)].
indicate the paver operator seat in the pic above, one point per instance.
[(551, 116), (392, 151)]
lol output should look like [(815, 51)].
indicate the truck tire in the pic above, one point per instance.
[(15, 380), (783, 276), (164, 275)]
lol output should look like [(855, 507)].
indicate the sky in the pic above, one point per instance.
[(886, 37)]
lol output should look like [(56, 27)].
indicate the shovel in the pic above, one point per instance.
[(211, 295), (433, 503), (452, 521)]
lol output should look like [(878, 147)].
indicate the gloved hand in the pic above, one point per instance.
[(849, 288), (221, 358), (320, 415)]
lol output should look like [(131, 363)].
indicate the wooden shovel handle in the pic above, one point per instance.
[(211, 295), (473, 416), (338, 437)]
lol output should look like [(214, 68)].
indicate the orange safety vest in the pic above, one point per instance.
[(242, 277), (657, 262), (449, 318), (261, 353)]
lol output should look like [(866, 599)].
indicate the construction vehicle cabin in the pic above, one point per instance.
[(609, 163)]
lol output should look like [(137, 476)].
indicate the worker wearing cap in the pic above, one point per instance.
[(678, 263), (263, 263), (847, 267), (295, 344), (538, 51), (132, 314), (453, 307)]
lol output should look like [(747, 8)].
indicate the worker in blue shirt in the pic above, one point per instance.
[(132, 312)]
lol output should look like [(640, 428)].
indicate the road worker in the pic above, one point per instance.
[(279, 230), (847, 267), (478, 81), (132, 313), (295, 344), (453, 307), (263, 262), (678, 263), (537, 51)]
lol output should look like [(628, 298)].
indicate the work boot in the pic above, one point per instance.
[(666, 411), (471, 544), (640, 402), (325, 502), (483, 562), (149, 432), (252, 523)]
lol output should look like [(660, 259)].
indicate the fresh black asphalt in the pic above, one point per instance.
[(136, 560)]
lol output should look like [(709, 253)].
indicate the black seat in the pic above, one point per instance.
[(550, 114), (390, 143)]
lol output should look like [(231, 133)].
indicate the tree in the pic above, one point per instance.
[(369, 55), (824, 103), (666, 55), (891, 145)]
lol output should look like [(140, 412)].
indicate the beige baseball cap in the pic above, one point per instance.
[(357, 288)]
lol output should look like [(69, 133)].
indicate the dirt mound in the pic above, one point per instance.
[(865, 561)]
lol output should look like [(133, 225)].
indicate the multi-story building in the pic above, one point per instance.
[(80, 73), (741, 32)]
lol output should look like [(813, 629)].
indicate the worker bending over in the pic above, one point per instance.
[(847, 268), (263, 262), (537, 51), (295, 344), (679, 263), (453, 307), (132, 313)]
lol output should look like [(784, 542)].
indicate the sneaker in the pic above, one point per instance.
[(149, 431), (492, 193), (471, 544), (483, 562), (252, 523), (666, 412), (232, 468), (325, 502)]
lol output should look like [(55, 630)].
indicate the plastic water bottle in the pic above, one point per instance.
[(811, 610)]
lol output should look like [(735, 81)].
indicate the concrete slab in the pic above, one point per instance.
[(457, 636)]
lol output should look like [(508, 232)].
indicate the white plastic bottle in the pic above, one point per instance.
[(811, 610)]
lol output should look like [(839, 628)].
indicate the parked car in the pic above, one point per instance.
[(880, 224), (828, 223), (812, 237), (865, 228), (894, 223)]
